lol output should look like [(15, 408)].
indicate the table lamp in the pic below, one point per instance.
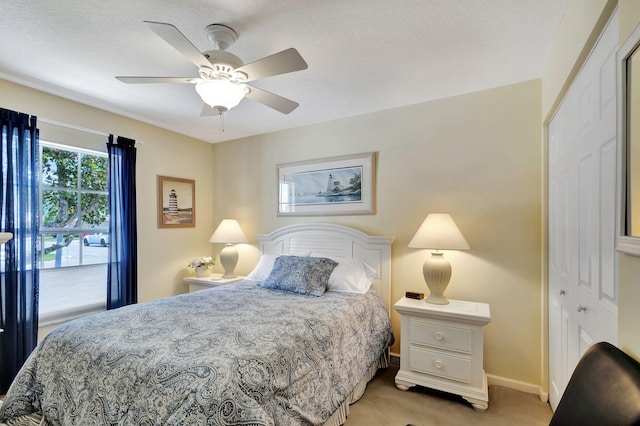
[(228, 233), (438, 232)]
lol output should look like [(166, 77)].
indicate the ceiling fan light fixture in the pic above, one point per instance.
[(221, 95)]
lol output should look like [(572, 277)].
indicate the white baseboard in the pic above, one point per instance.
[(519, 386)]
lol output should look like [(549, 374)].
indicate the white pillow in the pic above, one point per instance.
[(351, 276), (263, 268)]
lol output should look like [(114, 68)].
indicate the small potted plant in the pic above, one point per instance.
[(202, 265)]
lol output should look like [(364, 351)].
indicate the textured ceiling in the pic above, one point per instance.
[(363, 55)]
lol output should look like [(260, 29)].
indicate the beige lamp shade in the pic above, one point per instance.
[(228, 233), (438, 232)]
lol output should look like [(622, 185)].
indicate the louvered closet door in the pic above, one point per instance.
[(582, 174)]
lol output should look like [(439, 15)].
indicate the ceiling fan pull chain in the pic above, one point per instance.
[(221, 121)]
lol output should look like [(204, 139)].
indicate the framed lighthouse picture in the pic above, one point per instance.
[(330, 186), (176, 202)]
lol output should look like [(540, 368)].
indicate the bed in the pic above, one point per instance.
[(263, 351)]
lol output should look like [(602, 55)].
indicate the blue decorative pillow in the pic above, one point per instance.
[(298, 274)]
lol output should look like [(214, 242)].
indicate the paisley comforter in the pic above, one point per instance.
[(235, 354)]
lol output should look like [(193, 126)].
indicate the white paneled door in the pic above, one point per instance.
[(582, 174)]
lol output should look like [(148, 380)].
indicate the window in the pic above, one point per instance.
[(74, 232)]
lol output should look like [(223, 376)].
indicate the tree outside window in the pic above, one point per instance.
[(74, 207)]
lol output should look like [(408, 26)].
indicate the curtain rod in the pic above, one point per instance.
[(82, 129)]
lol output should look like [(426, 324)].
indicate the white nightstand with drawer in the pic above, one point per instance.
[(442, 348), (203, 283)]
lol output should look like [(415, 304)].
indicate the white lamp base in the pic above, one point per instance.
[(437, 273), (229, 260)]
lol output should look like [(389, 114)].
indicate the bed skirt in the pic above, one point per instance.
[(30, 420), (339, 417)]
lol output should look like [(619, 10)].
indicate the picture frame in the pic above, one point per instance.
[(176, 202), (344, 185)]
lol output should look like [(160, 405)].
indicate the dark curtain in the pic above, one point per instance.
[(19, 273), (122, 273)]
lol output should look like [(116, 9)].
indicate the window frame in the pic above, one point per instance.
[(79, 309)]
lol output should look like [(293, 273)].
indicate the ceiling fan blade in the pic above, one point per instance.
[(151, 80), (279, 63), (276, 102), (178, 41)]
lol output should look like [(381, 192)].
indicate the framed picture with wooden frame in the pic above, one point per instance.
[(176, 202)]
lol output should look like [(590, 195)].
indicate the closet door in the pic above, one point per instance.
[(582, 173)]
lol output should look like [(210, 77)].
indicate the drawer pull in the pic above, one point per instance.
[(439, 364), (439, 335)]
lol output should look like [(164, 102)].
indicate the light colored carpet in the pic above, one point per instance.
[(384, 404)]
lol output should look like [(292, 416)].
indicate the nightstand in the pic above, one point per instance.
[(441, 348), (203, 283)]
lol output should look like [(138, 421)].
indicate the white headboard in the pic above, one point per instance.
[(334, 240)]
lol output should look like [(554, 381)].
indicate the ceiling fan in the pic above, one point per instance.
[(223, 77)]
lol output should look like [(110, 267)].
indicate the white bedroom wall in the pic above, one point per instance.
[(476, 156), (162, 253)]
